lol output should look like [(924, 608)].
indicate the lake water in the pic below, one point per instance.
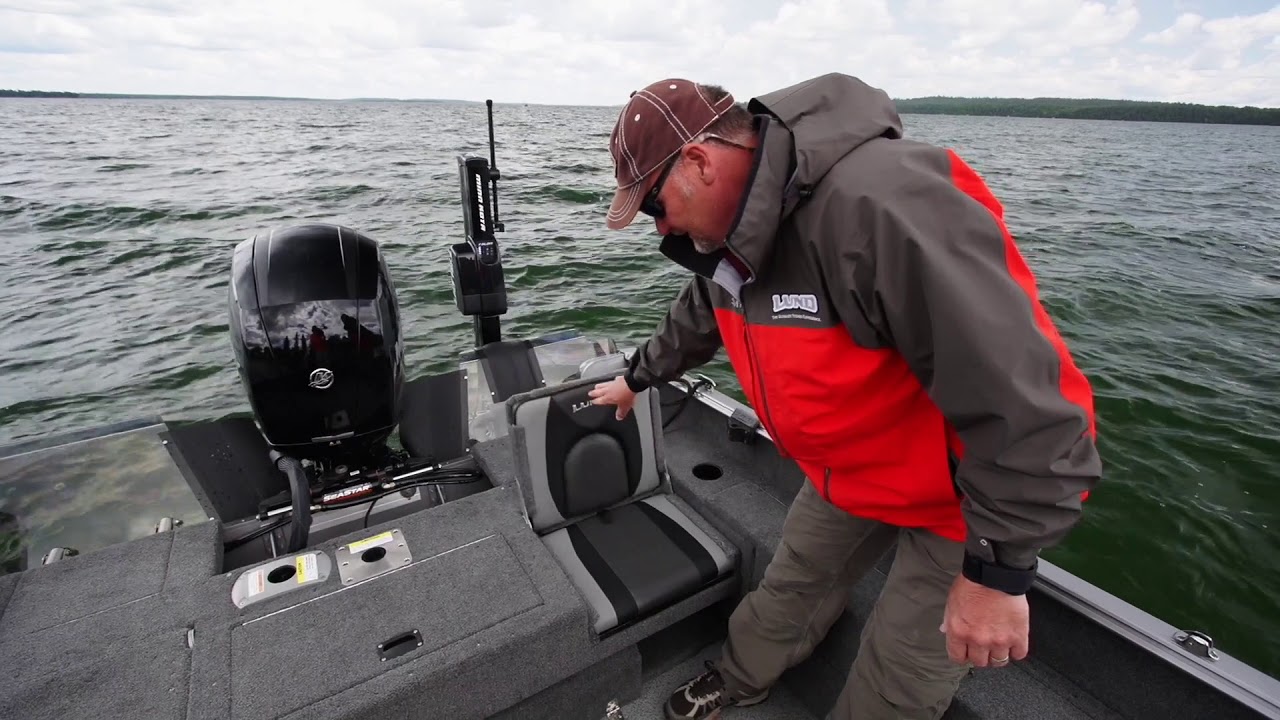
[(1156, 246)]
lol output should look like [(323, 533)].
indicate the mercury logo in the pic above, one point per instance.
[(808, 303), (321, 378)]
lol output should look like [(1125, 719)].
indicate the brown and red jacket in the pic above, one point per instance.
[(887, 331)]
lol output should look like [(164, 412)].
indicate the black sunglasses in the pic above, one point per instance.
[(651, 205)]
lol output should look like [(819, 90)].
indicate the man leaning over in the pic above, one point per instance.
[(885, 328)]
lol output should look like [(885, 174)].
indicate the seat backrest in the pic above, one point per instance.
[(603, 366), (574, 458)]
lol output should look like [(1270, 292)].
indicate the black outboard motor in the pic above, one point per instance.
[(315, 327)]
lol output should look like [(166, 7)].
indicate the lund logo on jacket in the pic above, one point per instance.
[(808, 303)]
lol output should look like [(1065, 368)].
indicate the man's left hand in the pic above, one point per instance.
[(984, 626)]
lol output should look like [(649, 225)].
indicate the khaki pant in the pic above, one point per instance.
[(902, 669)]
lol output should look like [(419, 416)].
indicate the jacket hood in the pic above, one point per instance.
[(803, 131), (828, 117)]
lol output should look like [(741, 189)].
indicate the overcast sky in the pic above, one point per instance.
[(597, 51)]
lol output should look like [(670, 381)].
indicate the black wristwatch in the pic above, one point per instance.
[(1013, 581)]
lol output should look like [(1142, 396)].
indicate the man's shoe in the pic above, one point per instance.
[(703, 695)]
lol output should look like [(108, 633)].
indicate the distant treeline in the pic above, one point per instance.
[(1092, 110), (131, 96), (126, 96), (37, 94)]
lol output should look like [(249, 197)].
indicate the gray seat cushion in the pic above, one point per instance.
[(596, 490), (574, 458), (632, 560)]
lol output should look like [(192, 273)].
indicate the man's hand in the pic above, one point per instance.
[(985, 626), (614, 392)]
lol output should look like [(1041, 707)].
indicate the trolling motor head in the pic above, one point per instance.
[(315, 327), (479, 288)]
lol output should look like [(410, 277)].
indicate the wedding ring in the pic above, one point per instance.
[(1000, 661)]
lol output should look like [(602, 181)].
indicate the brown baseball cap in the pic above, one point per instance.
[(656, 122)]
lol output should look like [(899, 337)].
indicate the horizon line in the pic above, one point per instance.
[(177, 96)]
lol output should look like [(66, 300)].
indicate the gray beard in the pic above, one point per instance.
[(706, 247)]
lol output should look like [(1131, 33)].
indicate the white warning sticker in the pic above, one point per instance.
[(257, 581), (306, 565)]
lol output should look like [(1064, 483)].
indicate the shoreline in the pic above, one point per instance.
[(1047, 108)]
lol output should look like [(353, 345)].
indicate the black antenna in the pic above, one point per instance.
[(493, 170)]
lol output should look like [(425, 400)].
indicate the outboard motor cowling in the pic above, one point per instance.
[(315, 327)]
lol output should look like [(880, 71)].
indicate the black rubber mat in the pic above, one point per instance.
[(510, 367), (433, 416), (226, 463)]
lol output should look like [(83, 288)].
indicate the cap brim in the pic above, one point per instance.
[(626, 203)]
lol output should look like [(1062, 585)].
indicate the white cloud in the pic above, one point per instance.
[(1050, 27), (1179, 31), (581, 51), (1228, 38)]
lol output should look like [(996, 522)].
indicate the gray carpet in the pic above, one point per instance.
[(782, 704), (585, 695), (103, 634), (445, 599)]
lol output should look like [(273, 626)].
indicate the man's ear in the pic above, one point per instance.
[(701, 161)]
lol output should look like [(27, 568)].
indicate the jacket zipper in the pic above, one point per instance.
[(826, 484), (758, 377)]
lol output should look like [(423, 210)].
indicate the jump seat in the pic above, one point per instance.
[(596, 491)]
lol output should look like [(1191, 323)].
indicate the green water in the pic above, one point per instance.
[(1156, 248)]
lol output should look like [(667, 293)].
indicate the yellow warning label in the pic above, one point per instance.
[(376, 540), (306, 565)]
